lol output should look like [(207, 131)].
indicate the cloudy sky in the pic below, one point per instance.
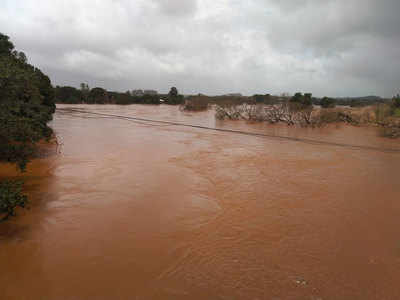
[(327, 47)]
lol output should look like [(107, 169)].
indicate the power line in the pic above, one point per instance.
[(304, 140)]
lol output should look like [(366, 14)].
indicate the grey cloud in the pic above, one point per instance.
[(177, 7), (213, 46)]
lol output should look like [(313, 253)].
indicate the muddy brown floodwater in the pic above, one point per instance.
[(135, 210)]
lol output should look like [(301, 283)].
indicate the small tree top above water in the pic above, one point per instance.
[(302, 100), (173, 92), (174, 97)]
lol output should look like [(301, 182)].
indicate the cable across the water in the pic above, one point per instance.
[(304, 140)]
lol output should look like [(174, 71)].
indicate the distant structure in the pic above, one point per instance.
[(137, 93), (150, 92), (234, 95)]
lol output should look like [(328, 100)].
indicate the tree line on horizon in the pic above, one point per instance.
[(325, 102), (98, 95)]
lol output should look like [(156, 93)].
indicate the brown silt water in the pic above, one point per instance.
[(131, 209)]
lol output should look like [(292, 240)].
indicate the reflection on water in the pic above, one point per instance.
[(134, 210)]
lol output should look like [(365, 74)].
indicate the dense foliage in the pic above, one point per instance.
[(97, 95), (26, 106), (301, 100), (265, 99), (327, 102), (68, 94), (11, 197), (173, 97)]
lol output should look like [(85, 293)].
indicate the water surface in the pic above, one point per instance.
[(139, 210)]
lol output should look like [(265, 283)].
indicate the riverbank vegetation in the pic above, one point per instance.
[(303, 110), (388, 117), (11, 197), (195, 103), (26, 106), (98, 95), (300, 110)]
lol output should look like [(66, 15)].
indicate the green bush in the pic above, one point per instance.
[(26, 106), (328, 102), (173, 97), (11, 197), (301, 101), (263, 99)]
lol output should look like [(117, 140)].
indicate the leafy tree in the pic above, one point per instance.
[(328, 102), (150, 99), (297, 98), (173, 92), (98, 95), (6, 47), (68, 94), (301, 101), (307, 100), (173, 97), (85, 90), (11, 197), (26, 106)]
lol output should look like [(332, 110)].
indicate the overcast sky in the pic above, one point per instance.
[(327, 47)]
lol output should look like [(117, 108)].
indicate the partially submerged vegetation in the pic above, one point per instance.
[(303, 110), (287, 113), (299, 110), (388, 117), (26, 106), (195, 103)]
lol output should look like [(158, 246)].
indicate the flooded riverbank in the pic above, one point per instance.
[(141, 210)]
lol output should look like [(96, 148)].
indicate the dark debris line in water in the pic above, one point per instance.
[(304, 140)]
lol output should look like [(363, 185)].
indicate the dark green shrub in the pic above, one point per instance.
[(301, 101), (11, 197), (68, 94), (173, 97), (327, 102), (26, 106)]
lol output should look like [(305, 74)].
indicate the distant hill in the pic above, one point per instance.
[(360, 101), (363, 98)]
